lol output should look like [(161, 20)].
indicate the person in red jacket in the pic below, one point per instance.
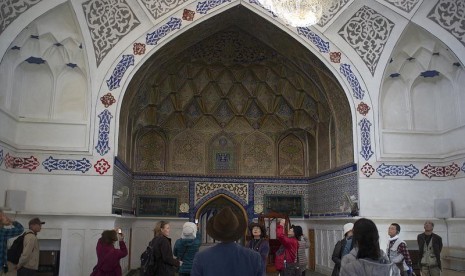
[(108, 256), (291, 245)]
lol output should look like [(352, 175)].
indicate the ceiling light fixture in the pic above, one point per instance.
[(298, 13)]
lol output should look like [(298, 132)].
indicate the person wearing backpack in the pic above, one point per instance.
[(13, 229), (28, 263), (165, 263)]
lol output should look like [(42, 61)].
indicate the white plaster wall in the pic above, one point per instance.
[(65, 194), (409, 198)]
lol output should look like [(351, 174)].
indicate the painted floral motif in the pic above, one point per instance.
[(363, 108), (29, 163), (102, 166), (138, 48), (107, 99), (440, 171), (188, 15), (335, 57), (367, 169)]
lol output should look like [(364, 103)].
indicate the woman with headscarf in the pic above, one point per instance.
[(259, 242), (108, 256), (187, 246)]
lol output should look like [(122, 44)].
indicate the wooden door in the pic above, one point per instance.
[(311, 250)]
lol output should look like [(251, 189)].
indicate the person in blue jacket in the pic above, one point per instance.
[(227, 258), (187, 246)]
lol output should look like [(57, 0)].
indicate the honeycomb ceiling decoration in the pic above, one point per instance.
[(230, 80)]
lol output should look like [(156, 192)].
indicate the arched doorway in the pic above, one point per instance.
[(211, 208)]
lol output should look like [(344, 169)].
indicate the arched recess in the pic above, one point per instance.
[(151, 152), (187, 153), (33, 75), (207, 209), (222, 155), (71, 97), (419, 99), (257, 155), (271, 88), (291, 152)]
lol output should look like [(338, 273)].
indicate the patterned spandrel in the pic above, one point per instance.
[(331, 12), (450, 15), (158, 8), (405, 5), (108, 22), (12, 9), (367, 33), (206, 190)]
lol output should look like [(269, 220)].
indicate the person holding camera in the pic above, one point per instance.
[(108, 256)]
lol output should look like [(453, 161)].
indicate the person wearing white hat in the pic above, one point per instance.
[(187, 247), (342, 248)]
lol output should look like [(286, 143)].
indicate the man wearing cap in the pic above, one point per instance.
[(28, 263), (227, 258), (342, 248), (8, 229)]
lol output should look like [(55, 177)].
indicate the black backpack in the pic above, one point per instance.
[(16, 249), (147, 261)]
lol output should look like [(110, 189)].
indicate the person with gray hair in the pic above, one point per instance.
[(430, 246)]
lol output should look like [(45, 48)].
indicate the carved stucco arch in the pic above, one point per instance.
[(345, 72)]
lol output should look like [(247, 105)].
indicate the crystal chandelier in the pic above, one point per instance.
[(298, 13)]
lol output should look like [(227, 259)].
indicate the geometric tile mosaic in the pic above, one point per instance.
[(328, 197), (266, 189)]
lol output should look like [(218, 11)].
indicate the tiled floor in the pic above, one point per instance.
[(309, 273)]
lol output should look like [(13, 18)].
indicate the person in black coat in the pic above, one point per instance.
[(165, 264), (342, 248), (430, 265)]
